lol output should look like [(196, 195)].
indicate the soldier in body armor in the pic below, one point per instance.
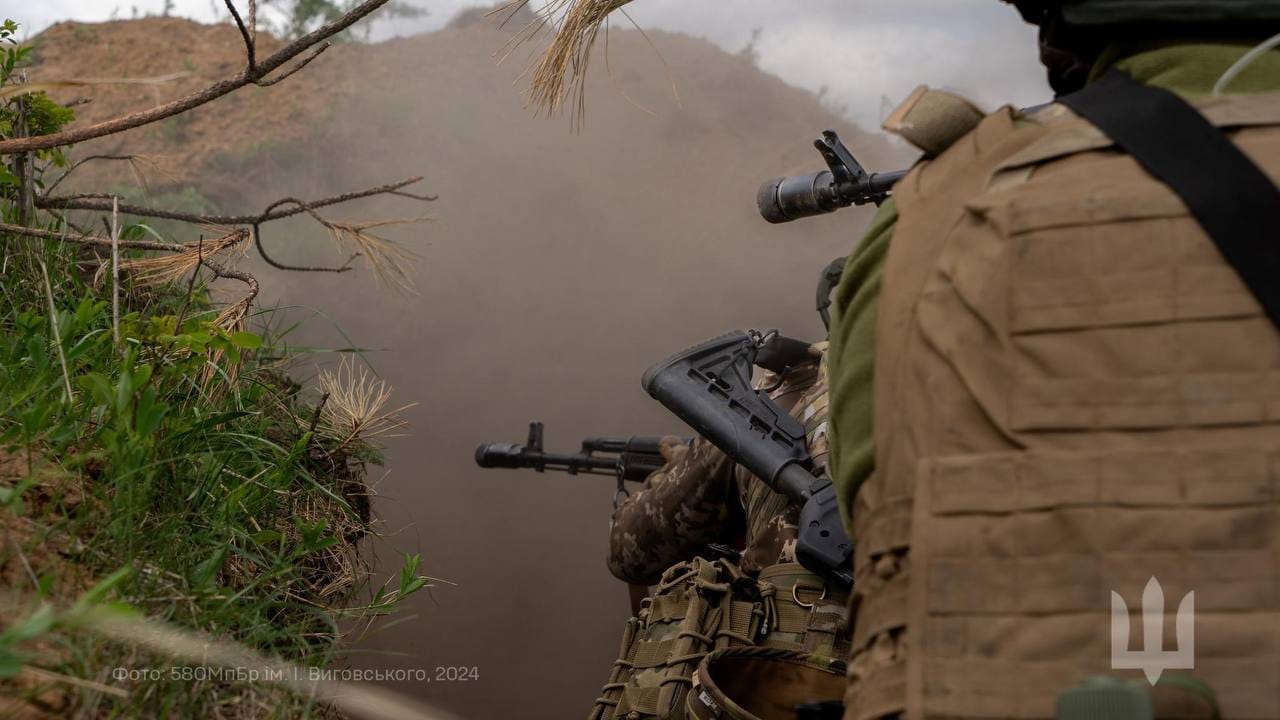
[(1055, 385), (702, 498), (1062, 332), (663, 535)]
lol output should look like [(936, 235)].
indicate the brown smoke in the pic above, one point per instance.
[(561, 266)]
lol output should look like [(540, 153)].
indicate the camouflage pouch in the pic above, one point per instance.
[(802, 612), (699, 606)]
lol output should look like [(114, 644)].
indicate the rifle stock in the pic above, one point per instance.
[(709, 387)]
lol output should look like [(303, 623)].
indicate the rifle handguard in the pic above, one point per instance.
[(634, 458), (500, 455), (709, 387)]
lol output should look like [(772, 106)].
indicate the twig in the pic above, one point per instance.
[(31, 573), (91, 202), (275, 211), (115, 271), (253, 21), (84, 239), (75, 681), (78, 163), (244, 33), (57, 334), (250, 76), (315, 419), (22, 163), (244, 277), (191, 284), (262, 251), (235, 312), (301, 64)]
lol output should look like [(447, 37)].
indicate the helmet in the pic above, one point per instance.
[(1073, 33), (1096, 13)]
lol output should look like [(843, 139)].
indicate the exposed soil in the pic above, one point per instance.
[(29, 553), (162, 47)]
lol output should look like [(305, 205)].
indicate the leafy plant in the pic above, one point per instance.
[(166, 462)]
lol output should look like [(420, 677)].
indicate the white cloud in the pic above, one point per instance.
[(866, 54), (870, 52)]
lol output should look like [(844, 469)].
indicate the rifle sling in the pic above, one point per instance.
[(1231, 197)]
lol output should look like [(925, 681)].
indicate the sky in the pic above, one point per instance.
[(863, 55)]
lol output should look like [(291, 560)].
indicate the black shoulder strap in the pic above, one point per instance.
[(1232, 199)]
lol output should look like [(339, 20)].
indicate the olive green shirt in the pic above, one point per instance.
[(1188, 68)]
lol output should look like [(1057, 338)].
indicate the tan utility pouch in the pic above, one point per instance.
[(701, 606)]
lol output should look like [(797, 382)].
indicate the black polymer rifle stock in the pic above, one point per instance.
[(633, 458), (709, 387)]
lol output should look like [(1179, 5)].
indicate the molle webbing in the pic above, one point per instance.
[(694, 610), (1232, 199), (803, 612), (1074, 393), (701, 606)]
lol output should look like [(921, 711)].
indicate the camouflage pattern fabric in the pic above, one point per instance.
[(681, 508), (702, 497)]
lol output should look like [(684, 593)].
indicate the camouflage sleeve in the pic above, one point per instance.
[(682, 507)]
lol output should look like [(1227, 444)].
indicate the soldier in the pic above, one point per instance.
[(1062, 330), (700, 498)]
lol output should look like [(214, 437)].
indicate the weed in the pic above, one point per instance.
[(161, 458)]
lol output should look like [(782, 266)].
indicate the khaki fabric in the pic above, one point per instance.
[(762, 684), (1074, 393), (933, 120), (702, 606)]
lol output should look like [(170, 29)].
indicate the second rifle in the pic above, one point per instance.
[(634, 458)]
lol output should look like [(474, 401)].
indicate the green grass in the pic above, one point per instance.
[(158, 460), (184, 455)]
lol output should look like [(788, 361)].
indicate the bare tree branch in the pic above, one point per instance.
[(268, 82), (236, 236), (94, 201), (275, 211), (236, 312), (257, 240), (82, 161), (251, 75), (191, 285), (244, 33), (242, 276)]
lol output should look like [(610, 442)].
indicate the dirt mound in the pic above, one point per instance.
[(561, 267), (200, 55), (167, 58)]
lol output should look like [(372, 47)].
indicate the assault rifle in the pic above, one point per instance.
[(845, 183), (709, 387), (633, 458)]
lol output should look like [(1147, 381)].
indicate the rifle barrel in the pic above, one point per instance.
[(633, 459)]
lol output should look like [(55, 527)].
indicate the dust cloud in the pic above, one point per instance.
[(560, 267)]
